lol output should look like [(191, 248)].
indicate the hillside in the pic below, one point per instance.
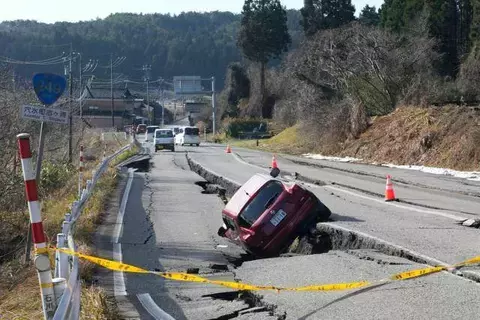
[(447, 137), (188, 44)]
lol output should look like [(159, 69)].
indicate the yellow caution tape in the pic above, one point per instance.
[(475, 260), (416, 273), (333, 287), (178, 276)]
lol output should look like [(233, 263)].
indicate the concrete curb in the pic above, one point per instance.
[(341, 237)]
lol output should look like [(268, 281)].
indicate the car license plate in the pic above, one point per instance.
[(278, 217)]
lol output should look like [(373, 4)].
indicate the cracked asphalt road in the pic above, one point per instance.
[(170, 225)]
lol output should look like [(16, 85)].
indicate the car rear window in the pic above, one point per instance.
[(192, 131), (151, 129), (261, 202), (164, 134)]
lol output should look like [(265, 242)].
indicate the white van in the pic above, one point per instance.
[(163, 139), (149, 133), (188, 135)]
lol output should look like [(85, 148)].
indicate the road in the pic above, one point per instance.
[(170, 225)]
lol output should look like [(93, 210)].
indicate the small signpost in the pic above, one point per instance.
[(48, 87), (44, 114)]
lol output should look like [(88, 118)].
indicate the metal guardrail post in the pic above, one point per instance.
[(63, 270), (80, 173), (59, 286), (42, 261), (74, 209), (65, 228)]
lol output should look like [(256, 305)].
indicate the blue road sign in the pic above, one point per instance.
[(48, 87)]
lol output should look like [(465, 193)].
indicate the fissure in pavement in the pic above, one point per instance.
[(328, 237)]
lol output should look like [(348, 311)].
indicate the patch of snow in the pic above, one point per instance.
[(469, 175), (337, 159)]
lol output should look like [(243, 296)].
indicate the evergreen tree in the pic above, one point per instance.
[(464, 23), (369, 16), (396, 15), (326, 14), (399, 15), (443, 21), (475, 26), (263, 33)]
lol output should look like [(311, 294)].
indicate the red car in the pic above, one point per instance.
[(265, 215)]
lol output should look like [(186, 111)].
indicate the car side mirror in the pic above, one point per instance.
[(275, 172), (221, 231)]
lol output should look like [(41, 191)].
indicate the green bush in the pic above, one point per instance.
[(54, 176), (235, 126)]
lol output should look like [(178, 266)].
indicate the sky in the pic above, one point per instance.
[(77, 10)]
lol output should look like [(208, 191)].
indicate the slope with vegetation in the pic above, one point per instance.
[(344, 87)]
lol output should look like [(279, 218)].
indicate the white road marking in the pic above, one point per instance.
[(400, 206), (119, 287), (118, 277), (153, 309)]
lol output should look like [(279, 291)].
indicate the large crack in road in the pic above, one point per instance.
[(181, 215)]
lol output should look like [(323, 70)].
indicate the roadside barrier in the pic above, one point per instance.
[(178, 276), (60, 295)]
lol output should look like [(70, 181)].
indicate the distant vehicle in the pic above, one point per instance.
[(149, 133), (176, 130), (188, 135), (141, 128), (164, 139), (265, 215)]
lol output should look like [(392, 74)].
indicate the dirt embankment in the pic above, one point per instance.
[(446, 137), (436, 136)]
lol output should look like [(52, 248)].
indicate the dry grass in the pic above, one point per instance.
[(444, 137), (19, 295), (287, 141), (438, 136), (97, 305)]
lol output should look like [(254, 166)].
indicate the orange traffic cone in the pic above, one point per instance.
[(389, 193), (274, 162), (229, 150)]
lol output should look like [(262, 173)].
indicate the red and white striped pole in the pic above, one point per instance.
[(42, 261), (80, 173)]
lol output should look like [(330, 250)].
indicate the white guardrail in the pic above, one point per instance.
[(66, 275)]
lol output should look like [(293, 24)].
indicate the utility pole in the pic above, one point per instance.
[(213, 105), (80, 85), (70, 125), (146, 68), (111, 90)]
